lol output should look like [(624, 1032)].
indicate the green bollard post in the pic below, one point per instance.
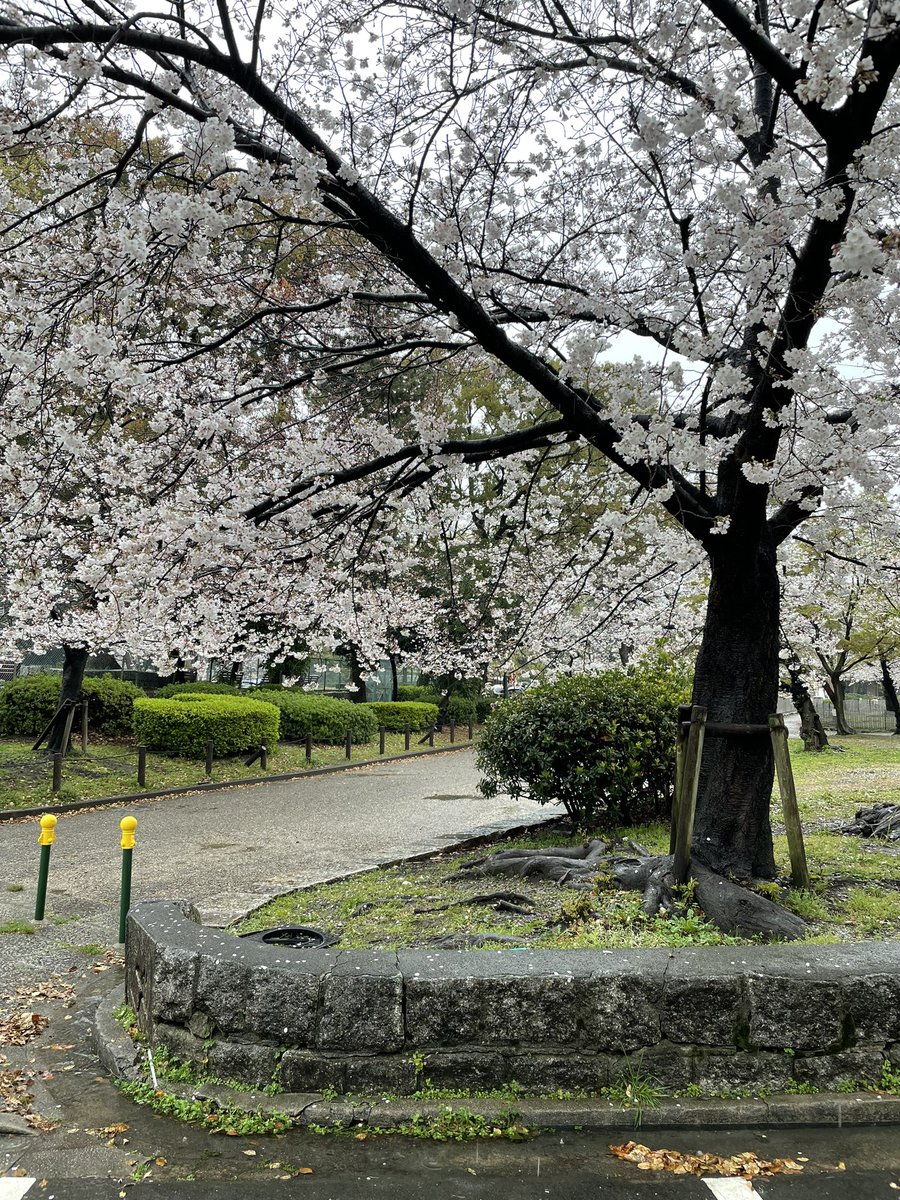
[(128, 826), (45, 841)]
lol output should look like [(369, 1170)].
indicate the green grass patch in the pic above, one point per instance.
[(110, 768), (16, 926)]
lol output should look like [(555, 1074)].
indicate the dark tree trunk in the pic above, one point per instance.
[(74, 662), (891, 701), (812, 731), (395, 686), (356, 677), (736, 679), (180, 675), (834, 688)]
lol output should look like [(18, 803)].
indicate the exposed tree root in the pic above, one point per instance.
[(881, 820), (734, 909)]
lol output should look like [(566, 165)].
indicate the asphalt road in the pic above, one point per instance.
[(231, 851)]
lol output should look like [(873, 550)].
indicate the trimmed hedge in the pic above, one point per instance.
[(183, 724), (418, 693), (323, 719), (201, 688), (28, 702), (394, 715)]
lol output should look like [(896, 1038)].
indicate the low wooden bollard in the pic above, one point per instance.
[(452, 731), (792, 826), (57, 773), (348, 745), (142, 766), (210, 751), (84, 726), (687, 801), (407, 730), (308, 749), (381, 733)]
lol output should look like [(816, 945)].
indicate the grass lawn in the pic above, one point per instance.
[(856, 892), (110, 768)]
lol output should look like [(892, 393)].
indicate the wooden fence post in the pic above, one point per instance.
[(792, 825), (684, 715), (84, 726), (687, 802)]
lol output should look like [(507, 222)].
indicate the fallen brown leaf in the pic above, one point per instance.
[(742, 1166)]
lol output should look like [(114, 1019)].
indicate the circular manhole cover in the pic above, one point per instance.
[(297, 937)]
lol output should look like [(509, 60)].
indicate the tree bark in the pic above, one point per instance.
[(74, 661), (736, 679), (891, 700), (834, 687), (395, 685), (812, 731), (356, 676)]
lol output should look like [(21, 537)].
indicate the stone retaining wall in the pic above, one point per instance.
[(357, 1021)]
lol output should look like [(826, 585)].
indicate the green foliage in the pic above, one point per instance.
[(234, 1121), (464, 708), (635, 1089), (464, 703), (28, 702), (320, 717), (184, 723), (602, 745), (395, 715), (208, 689), (17, 925), (110, 703), (418, 693), (450, 1124)]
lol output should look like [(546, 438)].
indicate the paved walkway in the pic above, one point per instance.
[(232, 850)]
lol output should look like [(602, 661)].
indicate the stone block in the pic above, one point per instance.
[(535, 1011), (702, 1011), (738, 1071), (362, 1005), (379, 1073), (475, 1070), (180, 1043), (173, 983), (669, 1066), (244, 1062), (619, 1013), (795, 1013), (442, 1012), (222, 991), (874, 1005), (282, 1005), (577, 1071), (828, 1070), (302, 1071)]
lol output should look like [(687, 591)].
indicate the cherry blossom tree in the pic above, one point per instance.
[(530, 188)]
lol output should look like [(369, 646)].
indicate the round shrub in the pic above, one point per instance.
[(464, 708), (28, 702), (184, 723), (396, 715), (110, 703), (206, 689), (320, 717), (418, 693), (602, 745)]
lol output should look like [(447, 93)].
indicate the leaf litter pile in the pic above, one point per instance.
[(740, 1166), (18, 1027)]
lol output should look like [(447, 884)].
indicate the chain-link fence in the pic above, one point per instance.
[(864, 714)]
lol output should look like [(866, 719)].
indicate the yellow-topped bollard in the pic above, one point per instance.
[(48, 830), (45, 841), (127, 825)]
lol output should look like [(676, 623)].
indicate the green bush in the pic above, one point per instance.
[(201, 688), (602, 745), (183, 724), (461, 708), (320, 717), (110, 703), (419, 694), (396, 715), (28, 702)]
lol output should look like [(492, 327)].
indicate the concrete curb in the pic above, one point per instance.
[(12, 814), (119, 1055)]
